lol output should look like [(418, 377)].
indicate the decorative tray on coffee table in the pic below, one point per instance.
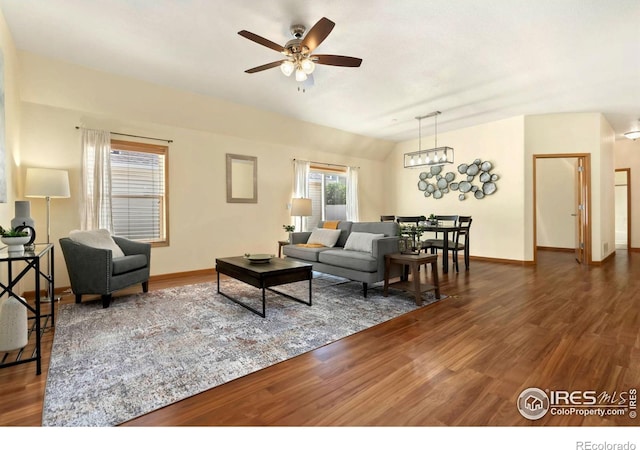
[(259, 258)]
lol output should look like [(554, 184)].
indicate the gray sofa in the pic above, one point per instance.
[(366, 267)]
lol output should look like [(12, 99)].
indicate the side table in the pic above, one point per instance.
[(280, 245), (412, 262), (31, 260)]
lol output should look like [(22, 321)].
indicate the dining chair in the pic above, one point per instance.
[(437, 241), (464, 222), (458, 242), (387, 218)]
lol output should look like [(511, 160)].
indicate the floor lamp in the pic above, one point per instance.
[(48, 184), (301, 207)]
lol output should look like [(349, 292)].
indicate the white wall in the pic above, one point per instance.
[(12, 121), (627, 156), (499, 219), (556, 202), (576, 133), (59, 96)]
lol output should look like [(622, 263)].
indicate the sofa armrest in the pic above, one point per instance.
[(300, 237), (384, 246)]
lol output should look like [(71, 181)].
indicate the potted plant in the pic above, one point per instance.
[(289, 229), (14, 239), (432, 220)]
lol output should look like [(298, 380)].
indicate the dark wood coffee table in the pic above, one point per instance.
[(264, 276)]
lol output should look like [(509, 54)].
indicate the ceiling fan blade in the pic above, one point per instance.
[(264, 67), (262, 41), (337, 60), (318, 33)]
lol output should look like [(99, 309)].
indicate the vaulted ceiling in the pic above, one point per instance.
[(475, 61)]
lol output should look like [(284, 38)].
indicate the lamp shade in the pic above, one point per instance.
[(301, 207), (53, 183)]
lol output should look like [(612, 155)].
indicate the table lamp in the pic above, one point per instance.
[(301, 207)]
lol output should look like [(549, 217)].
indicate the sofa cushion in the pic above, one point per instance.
[(305, 253), (387, 228), (128, 263), (98, 239), (361, 242), (345, 228), (324, 236), (349, 259)]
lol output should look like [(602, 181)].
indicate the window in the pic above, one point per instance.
[(138, 196), (328, 192)]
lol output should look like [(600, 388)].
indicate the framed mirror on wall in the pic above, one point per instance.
[(242, 179)]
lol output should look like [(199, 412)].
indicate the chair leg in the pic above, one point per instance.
[(106, 300), (78, 298), (145, 286)]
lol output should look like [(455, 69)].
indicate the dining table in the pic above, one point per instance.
[(415, 231)]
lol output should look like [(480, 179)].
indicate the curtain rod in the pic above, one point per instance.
[(327, 164), (135, 136)]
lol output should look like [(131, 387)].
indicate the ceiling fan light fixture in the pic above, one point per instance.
[(307, 66), (300, 75), (287, 67)]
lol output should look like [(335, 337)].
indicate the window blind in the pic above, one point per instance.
[(138, 194)]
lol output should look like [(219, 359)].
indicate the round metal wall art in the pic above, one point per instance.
[(444, 183)]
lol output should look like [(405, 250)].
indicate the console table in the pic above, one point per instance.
[(32, 264)]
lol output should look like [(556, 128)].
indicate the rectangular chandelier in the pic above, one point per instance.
[(436, 156), (431, 157)]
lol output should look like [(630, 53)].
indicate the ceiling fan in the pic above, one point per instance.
[(298, 51)]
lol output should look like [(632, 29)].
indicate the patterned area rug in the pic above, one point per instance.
[(149, 350)]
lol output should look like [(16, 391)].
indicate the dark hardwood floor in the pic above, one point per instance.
[(461, 362)]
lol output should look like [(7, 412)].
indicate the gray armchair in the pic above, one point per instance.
[(95, 270)]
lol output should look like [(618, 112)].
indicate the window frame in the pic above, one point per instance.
[(141, 147)]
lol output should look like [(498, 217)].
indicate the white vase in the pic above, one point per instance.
[(13, 325), (15, 244)]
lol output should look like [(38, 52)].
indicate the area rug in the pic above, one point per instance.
[(149, 350)]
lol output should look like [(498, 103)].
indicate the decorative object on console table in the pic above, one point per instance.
[(48, 184), (301, 207), (14, 239), (13, 324), (23, 222)]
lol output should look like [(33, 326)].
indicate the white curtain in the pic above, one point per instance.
[(301, 185), (96, 180), (352, 194)]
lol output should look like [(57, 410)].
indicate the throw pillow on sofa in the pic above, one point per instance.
[(98, 239), (324, 236), (361, 242)]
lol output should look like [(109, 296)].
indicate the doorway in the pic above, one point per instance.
[(562, 205), (623, 209)]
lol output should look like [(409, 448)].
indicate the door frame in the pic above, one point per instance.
[(587, 189), (628, 170)]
